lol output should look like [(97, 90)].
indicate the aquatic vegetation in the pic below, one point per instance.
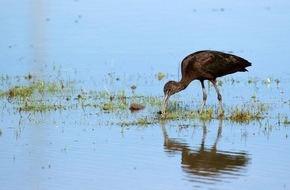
[(41, 107), (36, 95), (241, 115), (112, 106), (23, 92), (31, 94), (2, 94), (207, 115), (160, 76), (286, 121), (253, 110), (181, 114), (184, 115), (140, 122), (37, 86)]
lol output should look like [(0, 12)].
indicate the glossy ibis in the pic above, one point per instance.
[(204, 65)]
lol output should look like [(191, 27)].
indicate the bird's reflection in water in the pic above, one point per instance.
[(207, 165)]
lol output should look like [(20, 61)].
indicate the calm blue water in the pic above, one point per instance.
[(134, 40), (145, 36)]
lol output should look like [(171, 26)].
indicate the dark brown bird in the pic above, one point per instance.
[(205, 65)]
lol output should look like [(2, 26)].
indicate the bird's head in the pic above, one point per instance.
[(170, 88)]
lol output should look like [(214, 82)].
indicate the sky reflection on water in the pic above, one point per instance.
[(88, 40)]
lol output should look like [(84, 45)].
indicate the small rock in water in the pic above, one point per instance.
[(135, 107), (133, 87)]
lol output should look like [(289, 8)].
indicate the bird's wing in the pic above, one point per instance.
[(220, 64), (211, 64)]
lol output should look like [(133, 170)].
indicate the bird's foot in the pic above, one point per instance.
[(162, 114), (200, 112), (221, 114)]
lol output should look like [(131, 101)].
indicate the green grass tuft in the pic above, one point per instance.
[(242, 115), (31, 94)]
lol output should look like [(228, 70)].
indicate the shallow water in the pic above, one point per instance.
[(112, 45)]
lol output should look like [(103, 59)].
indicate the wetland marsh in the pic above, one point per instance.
[(73, 73)]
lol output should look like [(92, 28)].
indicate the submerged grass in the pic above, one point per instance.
[(286, 121), (36, 86), (36, 95), (239, 114), (140, 122), (32, 94), (242, 115)]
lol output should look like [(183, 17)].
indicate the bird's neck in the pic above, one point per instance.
[(184, 82)]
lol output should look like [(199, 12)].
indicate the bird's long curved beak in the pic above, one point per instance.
[(166, 97)]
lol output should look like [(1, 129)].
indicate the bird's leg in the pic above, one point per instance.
[(204, 96), (219, 96)]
